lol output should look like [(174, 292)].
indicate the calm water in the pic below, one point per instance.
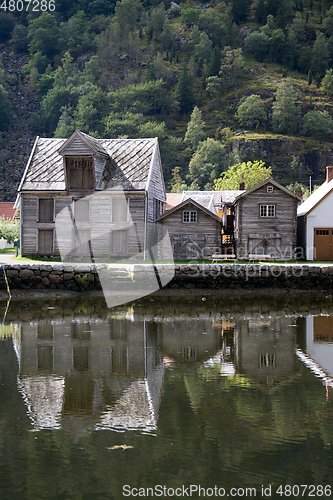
[(100, 403)]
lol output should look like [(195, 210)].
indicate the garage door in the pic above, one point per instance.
[(323, 243)]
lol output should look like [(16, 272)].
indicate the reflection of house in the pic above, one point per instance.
[(62, 175), (315, 225), (319, 344), (105, 371)]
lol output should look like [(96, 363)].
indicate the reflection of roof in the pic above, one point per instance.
[(319, 194), (44, 397), (126, 161)]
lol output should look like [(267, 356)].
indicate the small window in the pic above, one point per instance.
[(119, 210), (189, 216), (46, 210), (80, 173), (81, 210), (270, 189), (267, 210)]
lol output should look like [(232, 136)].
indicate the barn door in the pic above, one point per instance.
[(323, 243), (45, 241), (188, 246)]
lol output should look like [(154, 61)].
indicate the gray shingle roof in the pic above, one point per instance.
[(211, 199), (129, 164)]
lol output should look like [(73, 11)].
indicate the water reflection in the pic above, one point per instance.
[(88, 373)]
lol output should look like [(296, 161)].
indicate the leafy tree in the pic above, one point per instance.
[(213, 24), (213, 86), (297, 186), (214, 62), (177, 183), (240, 10), (251, 173), (251, 112), (291, 49), (44, 35), (66, 125), (123, 124), (125, 16), (277, 45), (184, 91), (257, 43), (91, 108), (320, 55), (157, 20), (285, 116), (166, 36), (19, 39), (327, 82), (76, 36), (328, 22), (145, 98), (207, 163), (195, 129), (6, 114), (202, 51), (190, 16), (9, 229), (7, 24), (232, 66), (56, 98), (317, 123)]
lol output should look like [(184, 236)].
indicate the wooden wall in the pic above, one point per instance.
[(204, 236), (250, 226)]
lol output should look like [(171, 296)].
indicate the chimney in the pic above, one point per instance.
[(329, 174), (298, 192), (242, 186)]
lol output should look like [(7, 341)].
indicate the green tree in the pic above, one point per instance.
[(55, 99), (232, 66), (251, 112), (327, 82), (207, 163), (277, 45), (9, 229), (44, 35), (251, 173), (320, 55), (184, 91), (213, 23), (328, 22), (195, 129), (7, 24), (19, 39), (317, 123), (190, 16), (90, 110), (257, 43), (177, 183), (285, 116), (214, 62), (240, 10), (297, 186), (6, 114), (66, 124), (202, 51)]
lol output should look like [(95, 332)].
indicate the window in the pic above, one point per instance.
[(46, 210), (270, 189), (81, 246), (323, 232), (267, 359), (80, 173), (267, 210), (81, 210), (119, 242), (189, 216), (119, 210)]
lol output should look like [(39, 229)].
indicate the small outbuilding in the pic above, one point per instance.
[(194, 231)]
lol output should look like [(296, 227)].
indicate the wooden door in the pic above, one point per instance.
[(189, 246), (323, 244), (45, 241)]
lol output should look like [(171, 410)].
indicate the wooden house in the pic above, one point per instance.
[(109, 190), (265, 221), (194, 231), (315, 224)]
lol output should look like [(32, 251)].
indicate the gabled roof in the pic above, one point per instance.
[(187, 202), (125, 162), (172, 199), (80, 139), (212, 200), (263, 183), (317, 197)]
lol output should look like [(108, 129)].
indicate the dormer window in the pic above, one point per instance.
[(80, 173)]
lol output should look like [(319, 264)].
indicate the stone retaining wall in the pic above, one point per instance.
[(86, 276)]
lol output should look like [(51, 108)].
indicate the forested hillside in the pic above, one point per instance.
[(218, 82)]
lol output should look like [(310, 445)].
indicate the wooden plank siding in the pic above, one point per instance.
[(92, 214), (205, 234), (156, 187), (278, 232)]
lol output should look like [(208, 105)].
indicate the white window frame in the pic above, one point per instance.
[(267, 211), (270, 189), (191, 215)]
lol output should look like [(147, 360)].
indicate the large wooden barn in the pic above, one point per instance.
[(102, 191)]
